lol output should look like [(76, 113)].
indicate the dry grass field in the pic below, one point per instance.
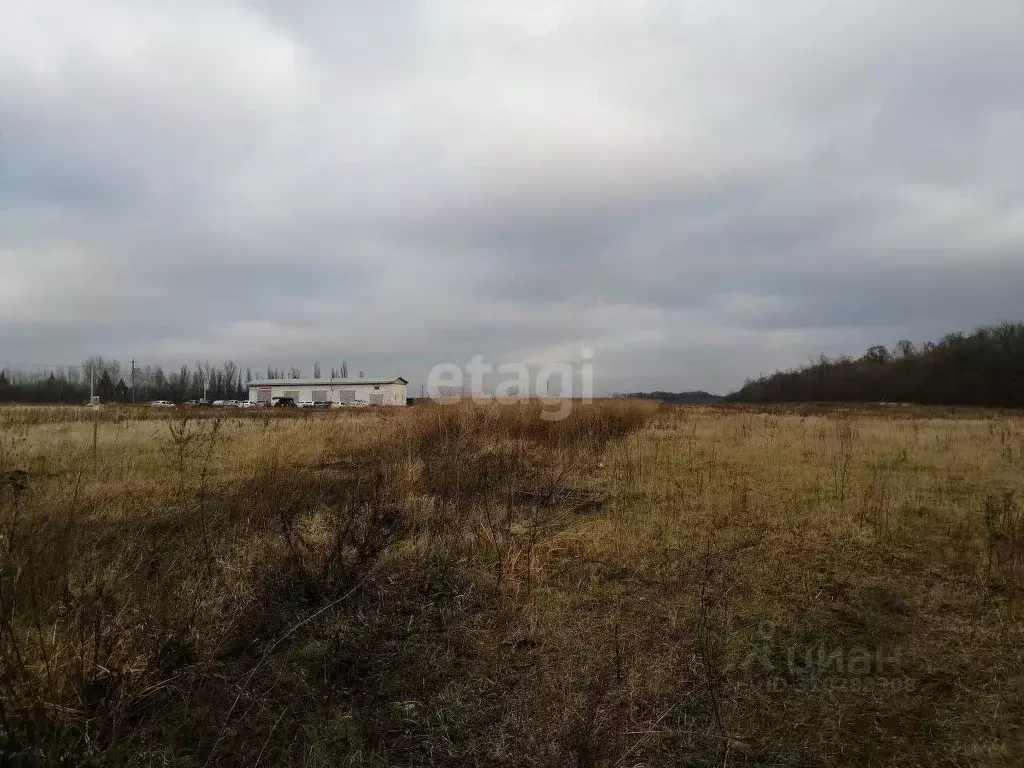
[(473, 585)]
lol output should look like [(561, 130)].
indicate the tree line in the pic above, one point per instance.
[(984, 368), (697, 397), (112, 381)]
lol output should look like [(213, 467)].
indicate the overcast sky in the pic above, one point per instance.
[(699, 191)]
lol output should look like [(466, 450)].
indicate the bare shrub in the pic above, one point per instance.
[(1004, 541), (842, 458)]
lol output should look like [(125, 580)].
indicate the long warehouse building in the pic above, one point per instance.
[(334, 391)]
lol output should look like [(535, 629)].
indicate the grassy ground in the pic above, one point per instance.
[(473, 585)]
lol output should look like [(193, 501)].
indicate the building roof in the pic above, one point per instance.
[(323, 382)]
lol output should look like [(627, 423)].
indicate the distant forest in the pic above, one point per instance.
[(112, 381), (983, 368), (678, 397)]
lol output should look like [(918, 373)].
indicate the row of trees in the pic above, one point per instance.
[(985, 367), (676, 397), (114, 382)]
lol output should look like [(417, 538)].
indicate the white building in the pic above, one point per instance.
[(333, 391)]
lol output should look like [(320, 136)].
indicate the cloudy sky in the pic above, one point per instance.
[(699, 191)]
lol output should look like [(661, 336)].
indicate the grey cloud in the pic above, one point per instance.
[(698, 191)]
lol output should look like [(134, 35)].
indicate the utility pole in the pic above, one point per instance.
[(133, 380), (95, 415)]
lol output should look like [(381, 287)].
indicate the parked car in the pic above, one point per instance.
[(283, 402), (162, 404), (251, 404), (305, 403)]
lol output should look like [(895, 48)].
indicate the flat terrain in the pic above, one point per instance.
[(473, 585)]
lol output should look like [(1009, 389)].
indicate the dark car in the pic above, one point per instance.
[(284, 402)]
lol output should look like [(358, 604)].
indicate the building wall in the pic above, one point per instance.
[(381, 394)]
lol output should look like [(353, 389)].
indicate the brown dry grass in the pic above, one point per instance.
[(474, 585)]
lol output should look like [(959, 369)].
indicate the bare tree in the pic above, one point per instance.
[(877, 354), (905, 349), (202, 376), (230, 378), (183, 382)]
